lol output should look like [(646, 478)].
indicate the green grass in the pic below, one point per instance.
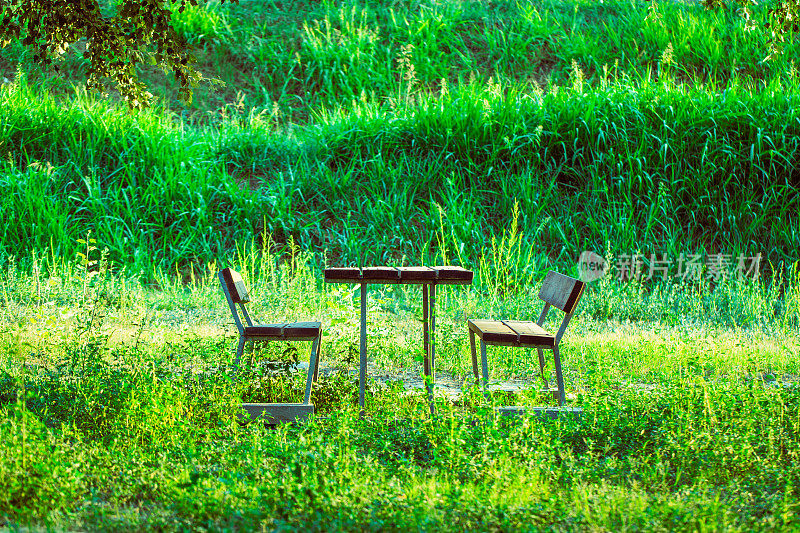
[(302, 55), (503, 136), (359, 131), (119, 412), (713, 175)]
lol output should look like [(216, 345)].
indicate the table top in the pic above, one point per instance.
[(440, 275)]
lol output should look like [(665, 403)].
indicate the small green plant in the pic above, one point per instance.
[(508, 266)]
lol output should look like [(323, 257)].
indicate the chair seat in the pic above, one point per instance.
[(292, 330), (512, 333)]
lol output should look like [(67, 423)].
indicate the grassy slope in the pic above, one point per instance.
[(359, 130)]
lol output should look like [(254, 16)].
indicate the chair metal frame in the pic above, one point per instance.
[(559, 291), (236, 294)]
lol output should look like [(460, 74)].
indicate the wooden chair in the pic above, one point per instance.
[(236, 294), (558, 290)]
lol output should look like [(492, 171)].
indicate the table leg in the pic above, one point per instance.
[(362, 350), (485, 364), (426, 341), (425, 334), (432, 366)]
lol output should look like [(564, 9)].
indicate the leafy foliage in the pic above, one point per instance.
[(116, 44), (779, 24)]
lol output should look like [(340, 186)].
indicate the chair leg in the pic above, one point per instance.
[(312, 365), (474, 358), (239, 352), (541, 368), (485, 363), (559, 377), (319, 353)]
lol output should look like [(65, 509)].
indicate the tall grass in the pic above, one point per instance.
[(297, 56), (648, 168), (302, 56), (359, 130)]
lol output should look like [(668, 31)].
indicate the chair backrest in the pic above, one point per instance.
[(236, 289), (235, 293), (562, 292)]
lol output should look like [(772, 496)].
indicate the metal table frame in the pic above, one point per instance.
[(428, 277)]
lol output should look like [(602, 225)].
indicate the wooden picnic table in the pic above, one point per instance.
[(428, 277)]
